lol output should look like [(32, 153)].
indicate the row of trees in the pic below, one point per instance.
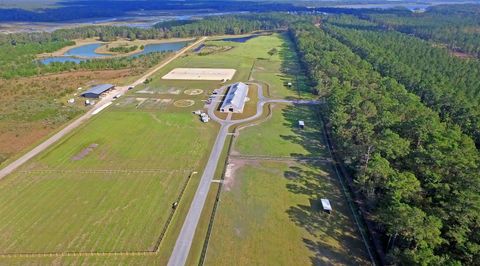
[(448, 85), (419, 175), (457, 26)]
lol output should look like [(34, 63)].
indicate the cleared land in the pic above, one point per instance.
[(269, 211), (280, 135), (107, 187), (200, 74), (146, 125), (32, 108), (270, 214)]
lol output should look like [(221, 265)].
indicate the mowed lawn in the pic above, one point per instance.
[(271, 215), (116, 197), (132, 140), (280, 135), (281, 68)]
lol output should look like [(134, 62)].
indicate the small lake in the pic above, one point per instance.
[(85, 52)]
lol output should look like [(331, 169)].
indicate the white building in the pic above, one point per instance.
[(326, 205), (235, 99)]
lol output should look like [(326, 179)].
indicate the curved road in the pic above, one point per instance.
[(185, 238), (69, 128)]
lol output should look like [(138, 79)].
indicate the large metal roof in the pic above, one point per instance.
[(236, 95), (98, 89)]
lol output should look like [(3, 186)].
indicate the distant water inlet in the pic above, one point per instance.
[(85, 52)]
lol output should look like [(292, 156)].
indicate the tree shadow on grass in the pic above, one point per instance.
[(310, 136), (333, 238)]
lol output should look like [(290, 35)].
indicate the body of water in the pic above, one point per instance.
[(85, 52)]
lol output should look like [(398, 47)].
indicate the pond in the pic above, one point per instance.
[(85, 52)]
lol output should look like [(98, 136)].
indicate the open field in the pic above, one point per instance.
[(200, 74), (280, 135), (107, 187), (269, 211), (241, 57), (136, 155), (270, 214), (32, 108)]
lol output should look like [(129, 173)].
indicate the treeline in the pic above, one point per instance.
[(124, 49), (18, 51), (456, 26), (115, 63), (420, 176), (448, 85), (232, 24), (19, 59)]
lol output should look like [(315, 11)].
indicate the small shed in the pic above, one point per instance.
[(326, 205), (301, 124), (98, 90), (289, 84)]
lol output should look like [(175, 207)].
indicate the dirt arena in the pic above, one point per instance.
[(200, 74)]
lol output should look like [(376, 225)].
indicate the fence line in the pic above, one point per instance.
[(152, 252)]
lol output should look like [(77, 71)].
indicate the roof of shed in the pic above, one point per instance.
[(98, 89)]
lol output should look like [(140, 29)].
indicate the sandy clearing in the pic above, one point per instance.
[(200, 74)]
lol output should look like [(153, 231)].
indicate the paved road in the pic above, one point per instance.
[(119, 91), (185, 238)]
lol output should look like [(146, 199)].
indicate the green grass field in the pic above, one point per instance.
[(115, 197), (280, 135), (109, 185), (271, 215)]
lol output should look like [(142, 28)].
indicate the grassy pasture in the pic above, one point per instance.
[(104, 201), (280, 135), (165, 138), (132, 140), (271, 215)]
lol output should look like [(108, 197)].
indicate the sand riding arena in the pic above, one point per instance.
[(222, 74)]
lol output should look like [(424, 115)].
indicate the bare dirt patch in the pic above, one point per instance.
[(184, 103), (233, 165), (84, 152)]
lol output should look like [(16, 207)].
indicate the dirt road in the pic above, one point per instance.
[(120, 90)]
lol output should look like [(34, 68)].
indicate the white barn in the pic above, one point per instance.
[(235, 99)]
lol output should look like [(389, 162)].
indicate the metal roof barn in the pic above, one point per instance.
[(96, 91), (235, 99)]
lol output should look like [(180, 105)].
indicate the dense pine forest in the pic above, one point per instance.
[(454, 26), (419, 175), (448, 85)]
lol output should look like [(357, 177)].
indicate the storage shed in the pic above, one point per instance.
[(301, 124), (326, 205), (98, 90)]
